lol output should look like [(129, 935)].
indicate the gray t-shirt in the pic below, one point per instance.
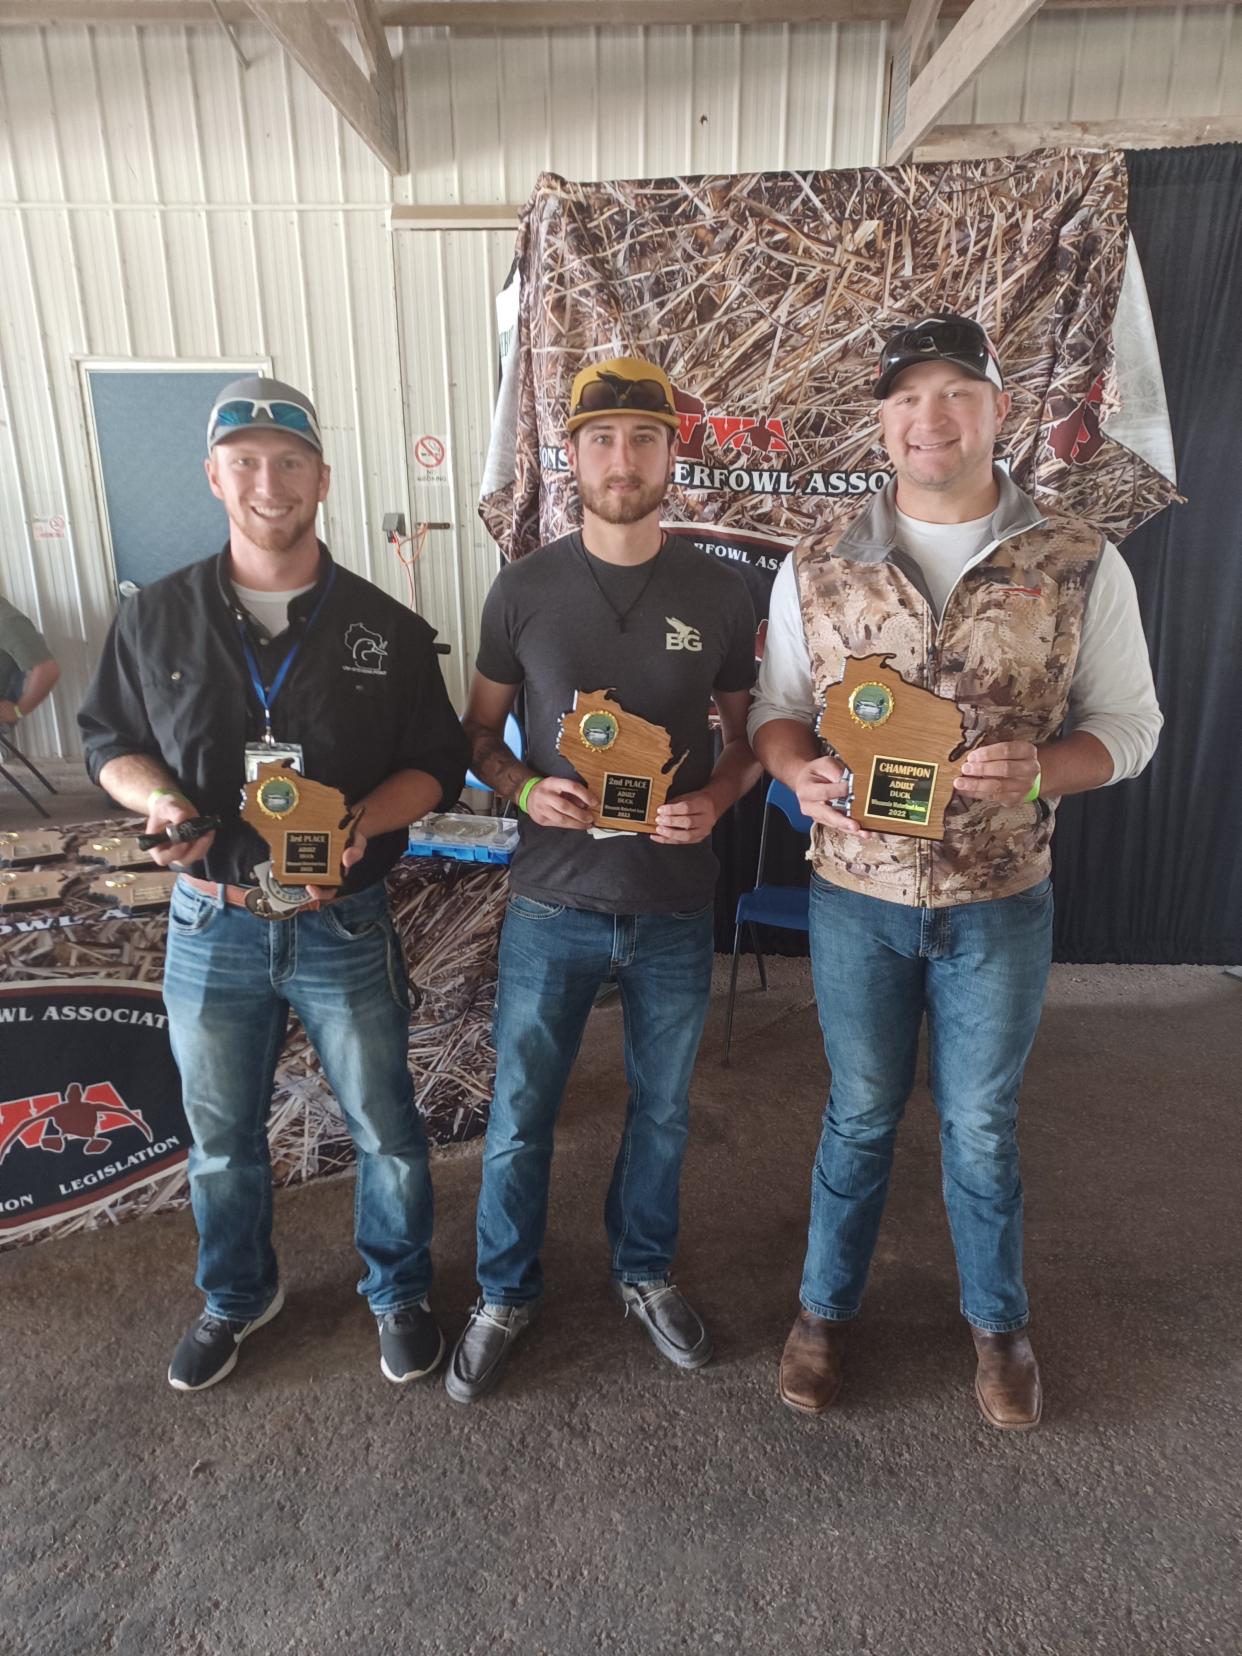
[(547, 627)]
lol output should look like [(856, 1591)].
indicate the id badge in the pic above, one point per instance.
[(272, 753)]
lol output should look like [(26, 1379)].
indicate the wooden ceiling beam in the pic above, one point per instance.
[(983, 28), (974, 143), (531, 14), (918, 31), (368, 103)]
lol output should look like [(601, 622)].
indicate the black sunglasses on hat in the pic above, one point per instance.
[(953, 339)]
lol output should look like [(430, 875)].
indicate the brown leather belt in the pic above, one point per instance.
[(247, 897)]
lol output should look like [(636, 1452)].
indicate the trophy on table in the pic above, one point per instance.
[(131, 890), (307, 827), (903, 745), (30, 888), (627, 762), (114, 851), (32, 846)]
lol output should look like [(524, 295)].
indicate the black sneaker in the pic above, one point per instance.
[(207, 1351), (675, 1327), (411, 1344), (482, 1349)]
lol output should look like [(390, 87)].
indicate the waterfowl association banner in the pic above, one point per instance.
[(765, 299)]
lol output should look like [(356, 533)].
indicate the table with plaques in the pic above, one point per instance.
[(91, 1126)]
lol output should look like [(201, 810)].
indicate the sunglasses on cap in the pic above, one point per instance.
[(607, 391), (241, 411), (953, 339)]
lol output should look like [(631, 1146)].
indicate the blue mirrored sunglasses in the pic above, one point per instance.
[(242, 411)]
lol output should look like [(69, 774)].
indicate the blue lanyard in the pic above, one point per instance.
[(267, 697)]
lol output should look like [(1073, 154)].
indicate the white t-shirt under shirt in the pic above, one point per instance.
[(1112, 695), (943, 551), (270, 609)]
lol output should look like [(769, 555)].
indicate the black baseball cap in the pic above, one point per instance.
[(943, 338)]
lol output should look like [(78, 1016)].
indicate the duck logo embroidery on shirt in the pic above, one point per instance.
[(682, 637), (368, 650)]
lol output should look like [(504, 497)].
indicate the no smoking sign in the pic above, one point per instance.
[(429, 452)]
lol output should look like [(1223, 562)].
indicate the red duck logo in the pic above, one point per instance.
[(48, 1121), (733, 434), (1078, 438)]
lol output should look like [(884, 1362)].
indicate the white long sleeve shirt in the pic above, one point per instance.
[(1112, 695)]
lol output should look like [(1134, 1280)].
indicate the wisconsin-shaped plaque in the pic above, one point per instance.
[(125, 889), (30, 889), (114, 851), (31, 847), (896, 739), (626, 761), (307, 826)]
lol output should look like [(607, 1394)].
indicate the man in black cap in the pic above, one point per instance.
[(1028, 622), (272, 650)]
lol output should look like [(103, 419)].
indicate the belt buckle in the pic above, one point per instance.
[(272, 901), (257, 903)]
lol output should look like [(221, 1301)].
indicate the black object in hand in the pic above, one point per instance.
[(179, 833)]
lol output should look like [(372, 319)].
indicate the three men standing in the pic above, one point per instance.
[(1029, 622)]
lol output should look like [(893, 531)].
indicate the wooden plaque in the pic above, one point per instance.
[(115, 851), (33, 846), (626, 762), (896, 739), (130, 891), (30, 889), (306, 825)]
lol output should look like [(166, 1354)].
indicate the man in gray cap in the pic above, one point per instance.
[(272, 650)]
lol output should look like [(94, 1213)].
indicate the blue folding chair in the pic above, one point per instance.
[(768, 905), (514, 741)]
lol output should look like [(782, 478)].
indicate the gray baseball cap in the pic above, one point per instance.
[(263, 405)]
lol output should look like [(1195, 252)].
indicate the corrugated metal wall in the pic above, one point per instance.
[(157, 201)]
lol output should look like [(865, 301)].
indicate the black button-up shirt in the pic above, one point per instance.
[(364, 697)]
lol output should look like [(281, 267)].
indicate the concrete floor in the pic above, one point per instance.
[(601, 1501)]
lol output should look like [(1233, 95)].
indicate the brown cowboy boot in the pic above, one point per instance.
[(1007, 1380), (811, 1364)]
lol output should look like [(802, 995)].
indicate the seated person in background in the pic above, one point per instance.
[(28, 671)]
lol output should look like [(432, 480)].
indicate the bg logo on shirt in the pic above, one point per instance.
[(682, 637)]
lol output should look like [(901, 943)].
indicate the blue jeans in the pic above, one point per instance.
[(979, 971), (229, 982), (553, 959)]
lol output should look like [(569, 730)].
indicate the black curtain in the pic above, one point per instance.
[(1148, 871)]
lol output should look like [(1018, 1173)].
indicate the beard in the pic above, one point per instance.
[(277, 537), (626, 508)]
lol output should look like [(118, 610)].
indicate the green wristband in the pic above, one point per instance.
[(1029, 799), (158, 793), (531, 782)]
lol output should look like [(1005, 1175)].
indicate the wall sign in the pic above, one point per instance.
[(429, 452)]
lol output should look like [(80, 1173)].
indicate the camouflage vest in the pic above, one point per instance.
[(1005, 652)]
